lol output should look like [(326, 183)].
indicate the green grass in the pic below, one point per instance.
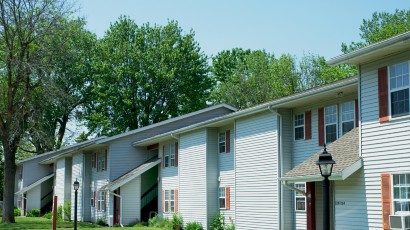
[(43, 223)]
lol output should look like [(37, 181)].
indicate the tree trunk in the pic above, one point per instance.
[(61, 131), (9, 181)]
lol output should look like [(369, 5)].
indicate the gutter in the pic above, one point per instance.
[(342, 59)]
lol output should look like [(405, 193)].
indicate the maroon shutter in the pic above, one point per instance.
[(356, 111), (106, 160), (228, 141), (310, 205), (96, 199), (308, 125), (176, 201), (386, 200), (163, 156), (176, 154), (228, 197), (383, 95), (321, 126), (163, 200)]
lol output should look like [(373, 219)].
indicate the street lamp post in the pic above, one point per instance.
[(76, 186), (326, 163)]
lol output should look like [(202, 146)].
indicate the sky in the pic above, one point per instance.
[(281, 27)]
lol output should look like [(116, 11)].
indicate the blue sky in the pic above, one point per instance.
[(287, 26)]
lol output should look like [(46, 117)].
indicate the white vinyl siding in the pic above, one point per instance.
[(385, 146), (192, 177), (257, 188), (168, 180), (78, 173), (399, 89), (131, 201)]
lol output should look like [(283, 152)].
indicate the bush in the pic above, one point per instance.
[(230, 227), (60, 212), (17, 212), (48, 215), (159, 222), (218, 223), (33, 213), (194, 226), (176, 222), (67, 210), (101, 222)]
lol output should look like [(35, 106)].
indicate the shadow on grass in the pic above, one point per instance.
[(43, 223)]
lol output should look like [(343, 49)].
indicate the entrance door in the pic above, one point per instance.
[(310, 206), (117, 207)]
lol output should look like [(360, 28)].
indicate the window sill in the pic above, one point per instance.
[(300, 211), (398, 118)]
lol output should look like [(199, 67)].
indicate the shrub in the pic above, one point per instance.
[(194, 226), (60, 212), (176, 221), (218, 223), (17, 212), (101, 222), (230, 227), (33, 213), (48, 215), (67, 210), (159, 222)]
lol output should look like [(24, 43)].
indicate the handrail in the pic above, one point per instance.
[(149, 190), (47, 195)]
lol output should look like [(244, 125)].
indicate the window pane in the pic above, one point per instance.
[(221, 137), (221, 202), (222, 147), (299, 119), (330, 114), (299, 133), (166, 206), (400, 102), (330, 133), (300, 203), (399, 75), (172, 206), (347, 126)]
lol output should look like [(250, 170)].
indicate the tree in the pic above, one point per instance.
[(381, 26), (24, 55), (247, 78), (144, 75)]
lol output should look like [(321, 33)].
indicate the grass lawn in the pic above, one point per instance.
[(43, 223)]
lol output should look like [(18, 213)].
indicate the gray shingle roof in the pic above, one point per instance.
[(345, 151)]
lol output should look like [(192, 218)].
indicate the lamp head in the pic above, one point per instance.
[(325, 163)]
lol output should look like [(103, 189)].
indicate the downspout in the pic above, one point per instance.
[(359, 101), (280, 165), (115, 194), (173, 136)]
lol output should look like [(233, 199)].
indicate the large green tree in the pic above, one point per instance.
[(380, 26), (25, 54), (143, 75)]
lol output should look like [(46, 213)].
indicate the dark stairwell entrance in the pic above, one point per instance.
[(149, 193)]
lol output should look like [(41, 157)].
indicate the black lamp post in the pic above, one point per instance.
[(76, 186), (326, 163)]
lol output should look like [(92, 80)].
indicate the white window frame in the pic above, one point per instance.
[(300, 196), (169, 156), (299, 126), (169, 201), (101, 201), (332, 123), (399, 186), (222, 196), (397, 89), (222, 141), (101, 160), (342, 112)]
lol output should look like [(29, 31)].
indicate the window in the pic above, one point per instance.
[(401, 193), (348, 119), (101, 161), (330, 124), (300, 198), (222, 142), (169, 155), (101, 201), (92, 200), (169, 201), (299, 126), (399, 89), (222, 198)]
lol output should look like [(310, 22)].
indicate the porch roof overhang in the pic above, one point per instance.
[(129, 176), (345, 151), (35, 184)]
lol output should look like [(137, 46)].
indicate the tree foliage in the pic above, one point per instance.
[(247, 78), (143, 75), (25, 57), (380, 26)]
